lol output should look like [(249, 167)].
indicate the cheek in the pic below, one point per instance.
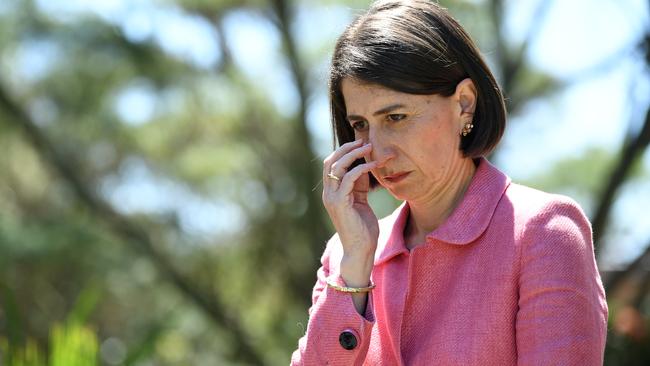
[(443, 132), (433, 144), (430, 136)]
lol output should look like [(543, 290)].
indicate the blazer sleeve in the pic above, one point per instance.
[(331, 314), (562, 316)]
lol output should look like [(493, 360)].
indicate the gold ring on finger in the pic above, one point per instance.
[(332, 176)]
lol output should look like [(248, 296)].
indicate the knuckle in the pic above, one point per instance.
[(350, 175), (348, 144), (356, 169)]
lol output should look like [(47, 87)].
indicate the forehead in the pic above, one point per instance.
[(365, 98), (354, 90)]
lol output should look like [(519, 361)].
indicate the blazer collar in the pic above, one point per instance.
[(466, 223)]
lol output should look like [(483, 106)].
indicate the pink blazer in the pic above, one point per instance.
[(510, 278)]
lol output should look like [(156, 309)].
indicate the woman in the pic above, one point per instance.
[(471, 269)]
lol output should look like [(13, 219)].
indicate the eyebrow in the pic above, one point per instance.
[(384, 110)]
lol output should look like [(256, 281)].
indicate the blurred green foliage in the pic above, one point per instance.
[(70, 343)]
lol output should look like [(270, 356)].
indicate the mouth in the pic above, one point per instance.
[(397, 177)]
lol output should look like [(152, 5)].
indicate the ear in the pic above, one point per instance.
[(465, 95)]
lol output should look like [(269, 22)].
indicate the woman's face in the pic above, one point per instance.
[(417, 136)]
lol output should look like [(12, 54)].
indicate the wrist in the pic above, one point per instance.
[(352, 290), (355, 271)]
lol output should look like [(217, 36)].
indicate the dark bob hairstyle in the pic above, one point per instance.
[(415, 47)]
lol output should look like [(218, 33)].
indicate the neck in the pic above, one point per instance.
[(426, 215)]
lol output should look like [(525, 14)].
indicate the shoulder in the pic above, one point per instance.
[(530, 203), (542, 215)]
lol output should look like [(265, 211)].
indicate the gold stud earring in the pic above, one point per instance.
[(467, 128)]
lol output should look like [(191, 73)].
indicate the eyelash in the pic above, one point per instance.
[(401, 117), (361, 125)]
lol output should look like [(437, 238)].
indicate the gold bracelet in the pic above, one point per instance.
[(354, 290)]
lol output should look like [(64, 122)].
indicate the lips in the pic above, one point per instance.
[(394, 178)]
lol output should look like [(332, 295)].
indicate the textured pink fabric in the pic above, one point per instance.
[(510, 278)]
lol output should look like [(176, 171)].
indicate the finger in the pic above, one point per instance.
[(340, 167), (347, 183), (336, 155), (331, 182)]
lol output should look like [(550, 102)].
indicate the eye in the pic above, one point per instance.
[(360, 125), (395, 117)]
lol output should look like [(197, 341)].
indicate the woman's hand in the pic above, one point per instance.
[(346, 202)]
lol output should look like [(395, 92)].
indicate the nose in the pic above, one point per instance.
[(383, 148)]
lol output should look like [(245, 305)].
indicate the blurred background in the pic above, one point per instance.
[(160, 166)]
